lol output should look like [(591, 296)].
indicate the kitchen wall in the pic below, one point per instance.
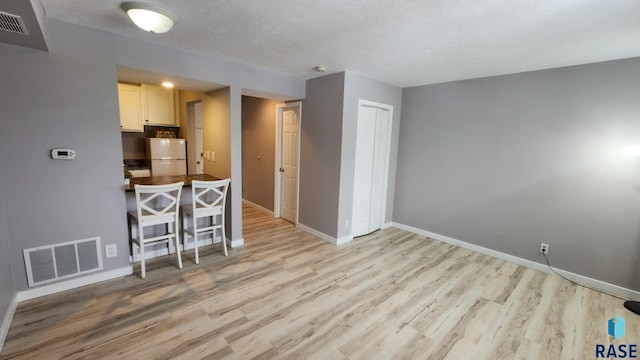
[(216, 122), (320, 146), (508, 162), (68, 98), (258, 150)]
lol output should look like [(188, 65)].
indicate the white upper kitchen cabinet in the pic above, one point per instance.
[(130, 102), (159, 104)]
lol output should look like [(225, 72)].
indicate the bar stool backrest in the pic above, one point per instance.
[(209, 197), (157, 204)]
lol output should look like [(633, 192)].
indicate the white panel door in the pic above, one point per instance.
[(363, 175), (378, 170), (371, 167), (289, 161)]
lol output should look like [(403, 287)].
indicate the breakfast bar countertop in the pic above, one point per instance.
[(163, 180)]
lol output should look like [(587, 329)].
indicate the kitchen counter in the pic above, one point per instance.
[(163, 180)]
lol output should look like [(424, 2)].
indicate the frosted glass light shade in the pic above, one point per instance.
[(148, 17)]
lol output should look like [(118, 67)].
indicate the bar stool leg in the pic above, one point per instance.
[(132, 233), (194, 220), (169, 227), (183, 220), (177, 240), (224, 236), (142, 265)]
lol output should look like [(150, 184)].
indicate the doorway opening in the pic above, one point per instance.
[(267, 147), (195, 148)]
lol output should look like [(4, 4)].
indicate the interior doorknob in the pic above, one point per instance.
[(281, 169)]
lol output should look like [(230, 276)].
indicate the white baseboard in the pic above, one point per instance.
[(321, 235), (580, 279), (344, 240), (6, 322), (258, 207), (237, 243), (72, 284)]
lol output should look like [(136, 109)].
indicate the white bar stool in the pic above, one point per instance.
[(208, 201), (155, 205)]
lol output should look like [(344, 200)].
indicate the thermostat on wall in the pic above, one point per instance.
[(63, 154)]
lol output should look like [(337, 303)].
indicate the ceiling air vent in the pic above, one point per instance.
[(13, 23)]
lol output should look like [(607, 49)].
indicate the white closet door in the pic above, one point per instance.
[(363, 176), (372, 149), (380, 147)]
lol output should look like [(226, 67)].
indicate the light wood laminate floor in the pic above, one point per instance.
[(289, 295)]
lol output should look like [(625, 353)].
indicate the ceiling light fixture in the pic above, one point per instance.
[(320, 68), (149, 17), (167, 84)]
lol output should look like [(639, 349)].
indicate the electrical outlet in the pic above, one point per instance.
[(544, 248), (346, 223), (110, 251)]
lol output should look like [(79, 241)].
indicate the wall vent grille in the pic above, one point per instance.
[(13, 23), (51, 263)]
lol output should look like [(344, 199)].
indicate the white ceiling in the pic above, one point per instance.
[(402, 42)]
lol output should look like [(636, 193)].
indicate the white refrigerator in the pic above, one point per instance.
[(167, 156)]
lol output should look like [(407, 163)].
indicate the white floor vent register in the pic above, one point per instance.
[(51, 263)]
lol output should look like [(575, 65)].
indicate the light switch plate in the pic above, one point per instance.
[(110, 251)]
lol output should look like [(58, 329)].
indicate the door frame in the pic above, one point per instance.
[(278, 163), (192, 136), (387, 155)]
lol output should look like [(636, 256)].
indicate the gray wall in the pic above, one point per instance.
[(7, 285), (63, 98), (509, 162), (320, 146), (258, 150), (358, 87), (68, 98)]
